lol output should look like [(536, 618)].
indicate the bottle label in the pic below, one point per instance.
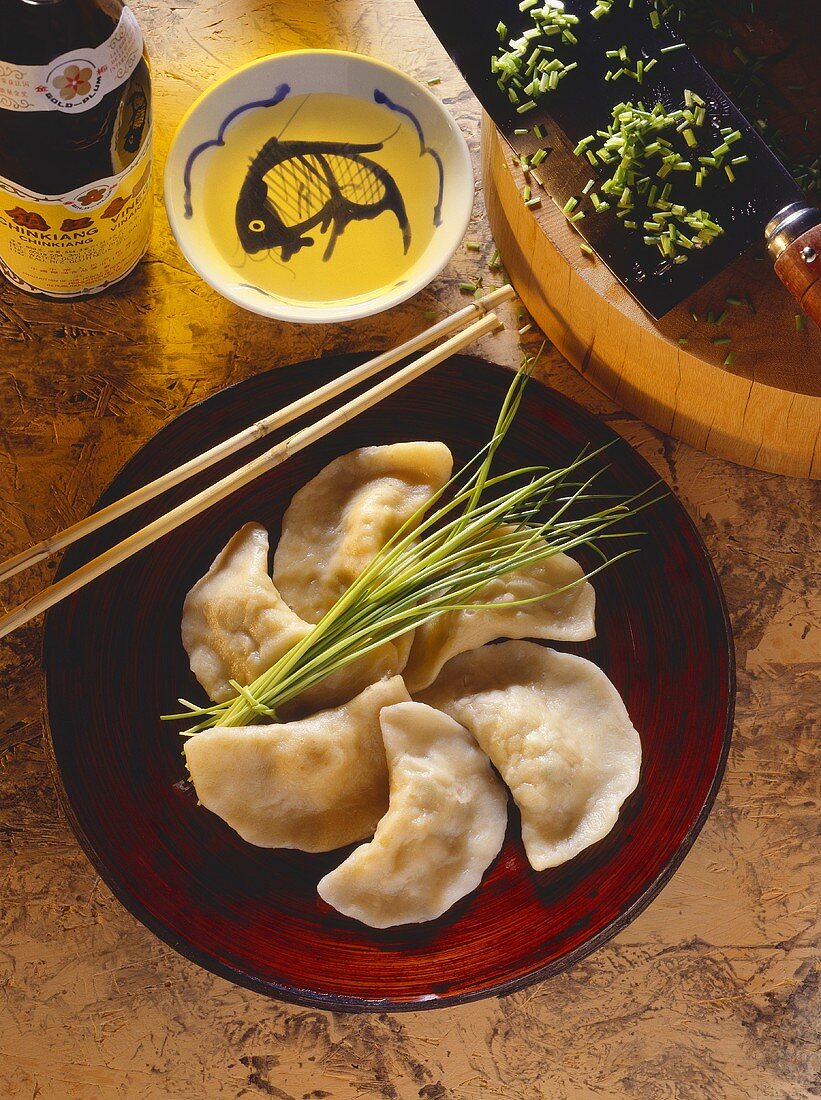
[(75, 244), (76, 80)]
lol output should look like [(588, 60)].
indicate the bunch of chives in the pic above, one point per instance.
[(480, 527)]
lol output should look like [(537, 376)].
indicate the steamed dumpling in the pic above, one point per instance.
[(235, 626), (314, 784), (567, 616), (337, 523), (445, 824), (558, 733)]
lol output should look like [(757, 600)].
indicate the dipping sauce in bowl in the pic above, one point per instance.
[(318, 186)]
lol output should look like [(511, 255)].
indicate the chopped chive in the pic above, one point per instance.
[(434, 81), (468, 288), (570, 205), (521, 131), (472, 246), (749, 302), (728, 358), (733, 301), (683, 341), (586, 250), (677, 46), (800, 322), (721, 340)]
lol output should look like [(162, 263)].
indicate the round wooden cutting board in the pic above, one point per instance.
[(763, 410)]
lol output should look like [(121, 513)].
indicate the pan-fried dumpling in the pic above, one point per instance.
[(337, 523), (235, 626), (445, 824), (558, 733), (566, 616), (315, 784)]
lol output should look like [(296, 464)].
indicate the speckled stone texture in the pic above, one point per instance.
[(711, 994)]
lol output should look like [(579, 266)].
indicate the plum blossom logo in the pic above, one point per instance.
[(96, 194), (73, 81)]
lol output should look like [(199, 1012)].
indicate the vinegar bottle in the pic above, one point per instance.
[(75, 145)]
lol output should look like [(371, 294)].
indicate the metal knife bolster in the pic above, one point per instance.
[(793, 239), (788, 225)]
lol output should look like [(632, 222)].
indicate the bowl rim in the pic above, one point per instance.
[(280, 309)]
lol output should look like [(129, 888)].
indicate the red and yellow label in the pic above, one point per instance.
[(66, 246)]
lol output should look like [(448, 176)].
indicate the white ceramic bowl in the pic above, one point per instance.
[(305, 206)]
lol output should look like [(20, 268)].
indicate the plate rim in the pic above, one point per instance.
[(305, 998)]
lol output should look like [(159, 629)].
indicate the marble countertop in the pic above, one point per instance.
[(711, 993)]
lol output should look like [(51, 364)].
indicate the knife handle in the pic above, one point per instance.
[(794, 241)]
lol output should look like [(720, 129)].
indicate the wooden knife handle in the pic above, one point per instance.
[(799, 269), (795, 244)]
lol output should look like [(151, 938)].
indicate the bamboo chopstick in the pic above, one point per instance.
[(255, 431), (243, 476)]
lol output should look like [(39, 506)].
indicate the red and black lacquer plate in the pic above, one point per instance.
[(114, 662)]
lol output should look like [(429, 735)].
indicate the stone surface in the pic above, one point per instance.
[(710, 994)]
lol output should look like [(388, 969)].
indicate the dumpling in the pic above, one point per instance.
[(235, 626), (558, 733), (337, 523), (445, 824), (567, 616), (314, 784)]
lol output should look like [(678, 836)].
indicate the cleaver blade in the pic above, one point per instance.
[(763, 195)]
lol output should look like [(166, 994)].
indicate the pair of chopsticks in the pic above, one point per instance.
[(483, 322)]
